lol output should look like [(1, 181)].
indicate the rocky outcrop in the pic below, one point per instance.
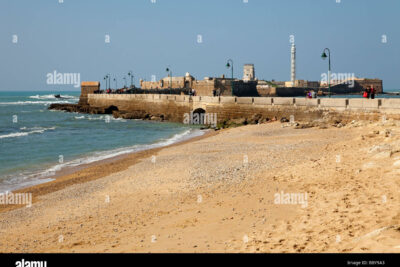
[(134, 115), (79, 108)]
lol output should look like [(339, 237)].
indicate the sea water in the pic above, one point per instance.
[(36, 142)]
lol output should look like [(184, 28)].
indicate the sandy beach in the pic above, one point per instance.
[(229, 191)]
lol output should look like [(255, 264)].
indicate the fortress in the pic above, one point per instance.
[(247, 98), (249, 85), (174, 107)]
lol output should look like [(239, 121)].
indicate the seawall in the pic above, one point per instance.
[(173, 107)]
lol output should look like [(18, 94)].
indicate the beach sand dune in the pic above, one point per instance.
[(228, 193)]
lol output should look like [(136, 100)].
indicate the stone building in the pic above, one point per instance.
[(169, 82), (303, 83), (223, 87), (88, 88), (249, 72)]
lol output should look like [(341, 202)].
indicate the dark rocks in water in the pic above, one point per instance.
[(77, 108), (156, 117), (134, 115), (110, 110)]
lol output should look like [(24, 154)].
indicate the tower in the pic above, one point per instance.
[(293, 65), (248, 72)]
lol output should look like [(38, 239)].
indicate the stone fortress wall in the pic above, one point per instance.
[(173, 107)]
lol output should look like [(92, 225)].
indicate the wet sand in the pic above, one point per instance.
[(219, 194)]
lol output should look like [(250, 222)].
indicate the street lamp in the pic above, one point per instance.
[(105, 78), (324, 56), (109, 80), (170, 76), (116, 83), (124, 81), (229, 64), (130, 74)]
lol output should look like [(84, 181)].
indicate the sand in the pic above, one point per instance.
[(220, 193)]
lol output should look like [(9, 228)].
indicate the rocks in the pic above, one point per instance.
[(240, 121), (81, 108), (320, 124), (157, 117), (232, 123), (134, 115), (387, 132), (256, 118), (284, 119)]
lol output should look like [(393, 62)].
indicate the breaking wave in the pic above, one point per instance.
[(34, 130)]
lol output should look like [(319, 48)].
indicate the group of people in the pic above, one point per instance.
[(311, 94), (369, 92)]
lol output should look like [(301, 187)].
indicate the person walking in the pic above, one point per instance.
[(313, 94), (373, 92)]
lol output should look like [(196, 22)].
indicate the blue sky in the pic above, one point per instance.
[(147, 37)]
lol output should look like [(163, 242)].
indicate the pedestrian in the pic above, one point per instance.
[(373, 92), (365, 94), (313, 94)]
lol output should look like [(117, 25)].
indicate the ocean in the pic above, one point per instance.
[(35, 142)]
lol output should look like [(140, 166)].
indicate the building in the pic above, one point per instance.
[(169, 82), (88, 88), (248, 72), (303, 83)]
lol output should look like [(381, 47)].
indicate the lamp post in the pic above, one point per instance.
[(229, 64), (109, 80), (116, 83), (124, 81), (170, 76), (324, 56), (105, 78), (130, 74)]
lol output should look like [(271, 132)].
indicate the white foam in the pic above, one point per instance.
[(32, 131), (36, 102)]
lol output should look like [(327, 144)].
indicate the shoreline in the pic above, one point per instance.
[(90, 171)]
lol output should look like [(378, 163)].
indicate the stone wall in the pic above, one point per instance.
[(173, 107), (88, 88)]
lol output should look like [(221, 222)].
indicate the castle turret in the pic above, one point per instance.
[(87, 88)]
